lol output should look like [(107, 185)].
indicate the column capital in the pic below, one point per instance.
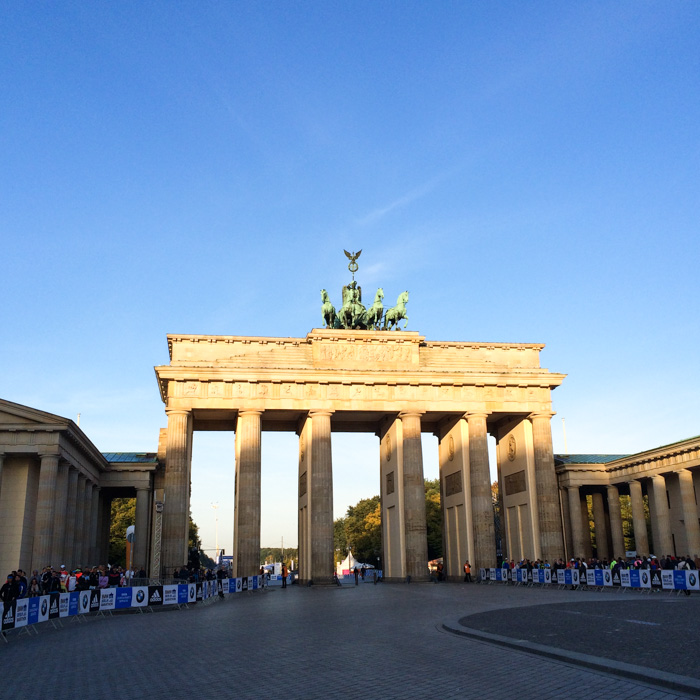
[(407, 414), (320, 412), (178, 411), (477, 414), (250, 412), (542, 414), (47, 454)]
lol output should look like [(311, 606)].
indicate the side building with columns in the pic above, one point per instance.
[(56, 490), (662, 482)]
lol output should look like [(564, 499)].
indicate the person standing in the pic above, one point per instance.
[(356, 571), (285, 573), (467, 572)]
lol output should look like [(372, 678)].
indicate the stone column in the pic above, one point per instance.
[(480, 482), (601, 528), (548, 514), (661, 516), (566, 520), (69, 536), (87, 525), (639, 523), (246, 519), (577, 533), (79, 523), (176, 511), (94, 553), (140, 546), (586, 528), (690, 512), (618, 539), (59, 527), (45, 513), (321, 499), (414, 498), (2, 461)]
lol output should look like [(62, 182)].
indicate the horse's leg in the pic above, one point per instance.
[(405, 318)]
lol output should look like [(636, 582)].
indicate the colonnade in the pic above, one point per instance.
[(673, 516), (465, 484)]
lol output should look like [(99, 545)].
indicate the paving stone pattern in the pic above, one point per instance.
[(309, 643)]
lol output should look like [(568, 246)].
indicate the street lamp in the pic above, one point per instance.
[(215, 506)]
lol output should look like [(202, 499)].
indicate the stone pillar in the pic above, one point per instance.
[(69, 535), (566, 520), (586, 528), (414, 498), (87, 525), (141, 528), (577, 533), (480, 482), (690, 512), (618, 539), (639, 523), (59, 527), (94, 553), (548, 514), (79, 523), (2, 461), (176, 511), (321, 495), (661, 516), (45, 513), (601, 528), (246, 519)]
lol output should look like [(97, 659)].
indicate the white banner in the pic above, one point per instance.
[(44, 602), (170, 594), (21, 612), (667, 580), (64, 605), (139, 596), (107, 598)]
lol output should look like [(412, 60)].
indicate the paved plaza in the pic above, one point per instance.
[(391, 641)]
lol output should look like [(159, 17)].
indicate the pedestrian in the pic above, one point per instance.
[(467, 572), (356, 571), (285, 573)]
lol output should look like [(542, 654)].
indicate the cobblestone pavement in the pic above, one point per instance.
[(311, 643)]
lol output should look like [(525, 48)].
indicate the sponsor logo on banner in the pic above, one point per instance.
[(123, 598), (491, 574), (64, 605), (547, 576), (245, 583), (54, 609), (239, 584), (170, 595), (94, 601), (575, 577), (155, 595), (74, 603), (139, 596), (200, 594), (691, 577), (183, 593), (667, 580), (107, 598), (644, 579), (8, 616), (256, 579), (625, 579), (33, 611), (44, 601), (561, 577), (656, 578), (616, 579), (224, 585), (84, 604), (590, 577), (21, 612), (607, 578), (679, 580), (482, 574)]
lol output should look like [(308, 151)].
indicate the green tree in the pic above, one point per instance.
[(433, 518), (123, 514)]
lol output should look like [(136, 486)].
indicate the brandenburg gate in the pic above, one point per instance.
[(391, 383), (356, 376)]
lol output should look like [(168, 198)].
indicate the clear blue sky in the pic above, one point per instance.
[(528, 170)]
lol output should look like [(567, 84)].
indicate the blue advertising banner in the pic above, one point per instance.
[(123, 598)]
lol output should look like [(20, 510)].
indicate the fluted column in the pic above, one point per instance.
[(617, 536), (321, 498), (87, 525), (480, 482), (2, 461), (548, 514), (414, 497), (246, 528), (639, 523), (69, 534), (94, 552), (59, 527), (577, 534), (140, 546), (601, 528), (79, 522), (661, 516), (176, 510), (45, 513), (690, 512)]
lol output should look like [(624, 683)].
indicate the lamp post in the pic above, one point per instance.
[(215, 506)]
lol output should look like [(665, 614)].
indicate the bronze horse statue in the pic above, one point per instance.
[(398, 312)]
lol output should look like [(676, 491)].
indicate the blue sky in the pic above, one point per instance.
[(528, 170)]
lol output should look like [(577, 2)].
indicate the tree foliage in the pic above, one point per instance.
[(270, 555)]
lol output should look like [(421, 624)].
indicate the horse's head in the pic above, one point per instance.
[(380, 294), (403, 298), (324, 295)]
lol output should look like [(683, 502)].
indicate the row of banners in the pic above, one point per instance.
[(30, 611), (669, 580)]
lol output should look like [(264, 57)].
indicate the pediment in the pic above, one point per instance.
[(17, 414)]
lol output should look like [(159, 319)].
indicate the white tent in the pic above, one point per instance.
[(349, 563)]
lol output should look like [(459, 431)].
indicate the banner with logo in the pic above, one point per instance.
[(667, 580), (21, 612), (123, 598), (692, 582), (54, 605), (45, 601), (155, 595), (139, 596), (482, 574), (170, 596), (8, 616)]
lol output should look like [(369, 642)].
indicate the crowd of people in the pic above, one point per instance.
[(650, 562)]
